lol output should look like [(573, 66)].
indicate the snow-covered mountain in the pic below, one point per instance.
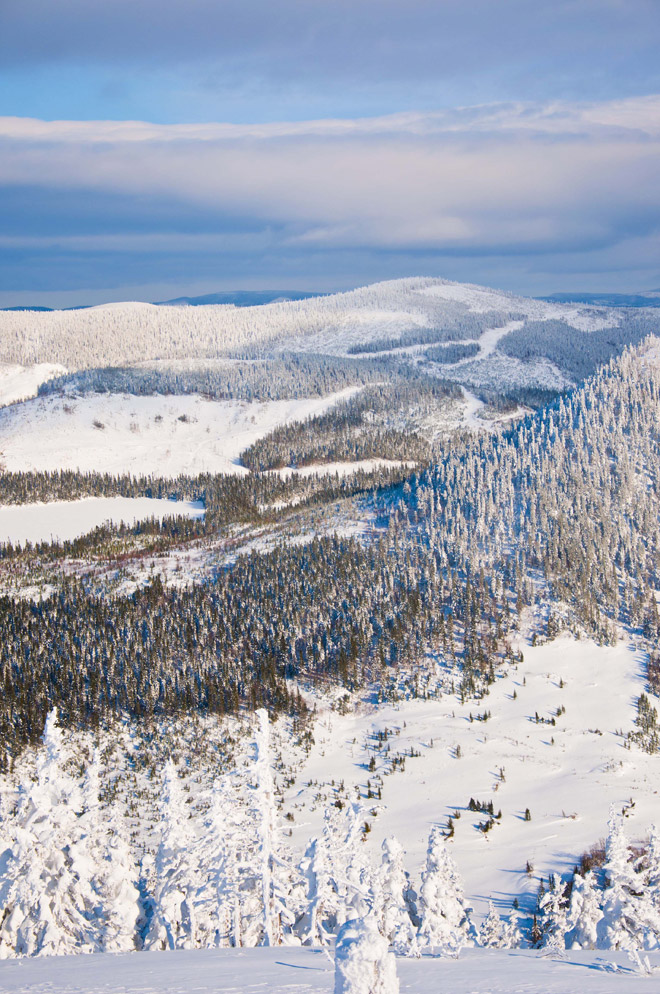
[(455, 641)]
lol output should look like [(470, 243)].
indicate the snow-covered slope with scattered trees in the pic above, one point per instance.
[(408, 709)]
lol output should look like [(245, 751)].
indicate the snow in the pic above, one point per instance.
[(568, 786), (64, 520), (341, 468), (22, 382), (286, 970), (134, 332), (165, 436)]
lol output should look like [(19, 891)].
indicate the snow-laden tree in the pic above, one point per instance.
[(273, 872), (220, 852), (496, 932), (554, 907), (653, 872), (444, 917), (337, 873), (648, 869), (49, 905), (103, 858), (322, 893), (584, 912), (175, 872), (363, 962), (621, 926), (391, 900)]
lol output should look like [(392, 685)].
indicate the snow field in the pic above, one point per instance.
[(287, 970), (64, 520), (568, 786), (164, 436), (22, 382)]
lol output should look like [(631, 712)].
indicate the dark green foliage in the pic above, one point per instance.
[(360, 428)]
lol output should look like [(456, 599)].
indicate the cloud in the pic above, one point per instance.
[(477, 182), (298, 48)]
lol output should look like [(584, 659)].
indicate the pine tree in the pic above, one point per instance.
[(620, 926), (444, 917), (102, 857), (584, 912), (392, 900), (50, 904), (496, 933), (172, 923), (554, 907)]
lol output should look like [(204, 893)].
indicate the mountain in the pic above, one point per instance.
[(397, 636), (239, 298), (651, 298)]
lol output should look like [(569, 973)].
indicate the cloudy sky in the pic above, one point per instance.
[(150, 148)]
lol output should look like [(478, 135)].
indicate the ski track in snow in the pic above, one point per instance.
[(286, 970)]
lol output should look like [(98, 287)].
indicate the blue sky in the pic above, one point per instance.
[(157, 147)]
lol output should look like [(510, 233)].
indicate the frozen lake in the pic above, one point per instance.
[(63, 520)]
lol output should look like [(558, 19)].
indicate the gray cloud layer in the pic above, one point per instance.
[(578, 181), (308, 40)]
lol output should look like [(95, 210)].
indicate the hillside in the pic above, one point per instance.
[(455, 640)]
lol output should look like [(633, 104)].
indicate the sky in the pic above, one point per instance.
[(155, 148)]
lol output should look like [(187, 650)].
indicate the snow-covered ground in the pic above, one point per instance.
[(341, 468), (285, 970), (21, 382), (567, 774), (63, 520), (118, 433)]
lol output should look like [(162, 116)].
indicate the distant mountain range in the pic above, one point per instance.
[(239, 298), (253, 298), (242, 298), (650, 298)]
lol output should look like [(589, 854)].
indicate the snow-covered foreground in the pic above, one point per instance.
[(64, 520), (118, 433), (284, 970), (567, 774)]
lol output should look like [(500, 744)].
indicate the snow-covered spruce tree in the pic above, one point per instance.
[(49, 905), (497, 933), (353, 869), (322, 896), (103, 858), (337, 874), (273, 872), (653, 870), (444, 917), (391, 900), (621, 925), (554, 907), (220, 853), (584, 912), (648, 870), (175, 873), (363, 962)]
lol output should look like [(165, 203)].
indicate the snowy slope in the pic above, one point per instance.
[(21, 382), (165, 436), (311, 971), (133, 332), (568, 786)]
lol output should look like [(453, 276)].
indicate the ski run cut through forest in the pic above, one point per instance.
[(329, 646)]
